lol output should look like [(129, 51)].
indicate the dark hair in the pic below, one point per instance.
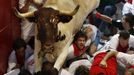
[(18, 43), (47, 69), (81, 70), (47, 66), (129, 19), (79, 34), (52, 71), (24, 72), (124, 34)]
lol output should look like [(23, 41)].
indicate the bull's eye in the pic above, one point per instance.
[(54, 19)]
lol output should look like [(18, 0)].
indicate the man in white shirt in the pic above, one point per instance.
[(128, 7), (126, 59), (120, 42), (19, 55)]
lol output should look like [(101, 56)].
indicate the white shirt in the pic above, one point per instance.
[(132, 8), (13, 72), (128, 8), (77, 63), (27, 28), (70, 52), (12, 58), (30, 65), (114, 41), (94, 29), (64, 72), (126, 59)]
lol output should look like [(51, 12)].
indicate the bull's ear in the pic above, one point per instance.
[(65, 18), (31, 19), (34, 18)]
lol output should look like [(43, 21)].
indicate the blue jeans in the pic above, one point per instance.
[(97, 38)]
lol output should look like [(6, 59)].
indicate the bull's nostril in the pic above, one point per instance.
[(48, 44)]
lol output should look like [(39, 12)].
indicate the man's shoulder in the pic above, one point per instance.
[(115, 37)]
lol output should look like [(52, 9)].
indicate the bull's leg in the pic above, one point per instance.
[(41, 52), (38, 61)]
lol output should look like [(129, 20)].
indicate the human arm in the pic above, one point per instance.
[(103, 17), (60, 60), (11, 61), (112, 53), (93, 48), (24, 6), (115, 23)]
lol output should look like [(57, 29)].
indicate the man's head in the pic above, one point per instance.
[(24, 72), (124, 38), (82, 70), (89, 32), (19, 46), (130, 71), (47, 66), (47, 69), (80, 39), (128, 20)]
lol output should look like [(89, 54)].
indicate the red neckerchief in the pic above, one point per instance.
[(130, 1), (122, 49), (77, 50), (131, 67)]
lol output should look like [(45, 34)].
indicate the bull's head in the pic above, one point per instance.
[(47, 20)]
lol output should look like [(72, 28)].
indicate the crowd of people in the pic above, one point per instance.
[(103, 46)]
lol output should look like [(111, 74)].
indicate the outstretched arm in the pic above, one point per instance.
[(103, 17), (108, 55)]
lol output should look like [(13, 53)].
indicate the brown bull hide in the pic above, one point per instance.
[(48, 33), (68, 29)]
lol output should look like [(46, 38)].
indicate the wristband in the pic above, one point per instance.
[(98, 15)]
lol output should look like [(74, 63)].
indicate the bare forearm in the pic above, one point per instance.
[(25, 8), (103, 17), (110, 54), (106, 18)]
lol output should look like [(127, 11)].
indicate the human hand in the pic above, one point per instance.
[(16, 66), (103, 64), (17, 13)]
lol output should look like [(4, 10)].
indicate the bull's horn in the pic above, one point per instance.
[(74, 12), (24, 15)]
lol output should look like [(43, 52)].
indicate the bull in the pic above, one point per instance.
[(56, 26)]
